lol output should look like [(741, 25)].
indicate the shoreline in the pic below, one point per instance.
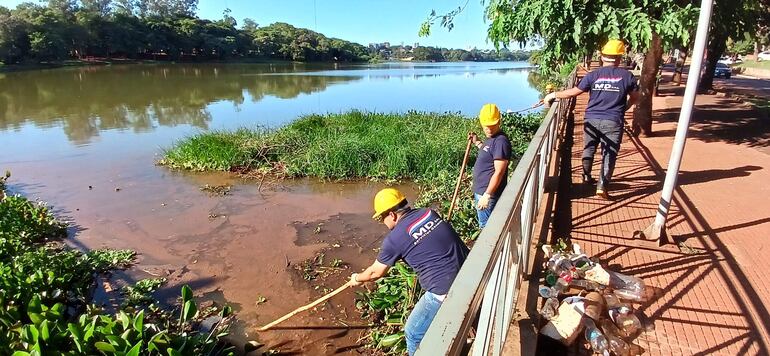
[(12, 68)]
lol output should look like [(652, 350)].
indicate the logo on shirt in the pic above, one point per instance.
[(423, 226), (607, 84)]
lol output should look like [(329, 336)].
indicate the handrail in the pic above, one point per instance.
[(486, 287)]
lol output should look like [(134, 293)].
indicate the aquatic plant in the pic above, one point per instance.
[(45, 291), (354, 144)]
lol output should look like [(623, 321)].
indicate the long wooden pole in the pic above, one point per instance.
[(459, 180), (306, 307)]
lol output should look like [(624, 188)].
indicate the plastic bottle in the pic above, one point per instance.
[(612, 301), (594, 336), (548, 292), (627, 287), (548, 311), (582, 283), (626, 321), (616, 344)]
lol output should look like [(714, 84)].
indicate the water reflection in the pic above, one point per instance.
[(85, 101)]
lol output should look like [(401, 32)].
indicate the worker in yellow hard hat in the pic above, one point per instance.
[(427, 243), (490, 171), (613, 90)]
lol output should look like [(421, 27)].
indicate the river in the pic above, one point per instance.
[(85, 140)]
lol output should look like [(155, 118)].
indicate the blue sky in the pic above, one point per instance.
[(361, 21)]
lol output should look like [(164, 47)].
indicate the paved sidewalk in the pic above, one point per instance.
[(711, 292)]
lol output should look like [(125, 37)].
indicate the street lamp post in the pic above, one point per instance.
[(657, 231)]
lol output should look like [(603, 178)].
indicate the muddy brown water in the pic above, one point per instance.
[(234, 248), (86, 139)]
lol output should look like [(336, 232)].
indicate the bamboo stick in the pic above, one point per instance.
[(303, 308), (459, 180)]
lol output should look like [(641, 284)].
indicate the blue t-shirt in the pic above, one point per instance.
[(496, 147), (429, 245), (608, 88)]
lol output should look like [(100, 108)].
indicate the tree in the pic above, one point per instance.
[(734, 19), (101, 7), (249, 26), (14, 37)]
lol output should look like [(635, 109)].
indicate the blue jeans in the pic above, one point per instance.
[(419, 320), (483, 214)]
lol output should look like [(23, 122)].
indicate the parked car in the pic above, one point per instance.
[(723, 70), (729, 60), (763, 56)]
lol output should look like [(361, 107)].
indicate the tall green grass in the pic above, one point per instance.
[(355, 144)]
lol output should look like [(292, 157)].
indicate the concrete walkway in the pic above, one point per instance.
[(712, 287)]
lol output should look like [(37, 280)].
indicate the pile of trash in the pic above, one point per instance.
[(592, 299)]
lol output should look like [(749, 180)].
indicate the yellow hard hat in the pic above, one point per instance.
[(489, 115), (614, 48), (386, 200)]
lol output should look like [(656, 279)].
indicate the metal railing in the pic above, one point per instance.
[(486, 287)]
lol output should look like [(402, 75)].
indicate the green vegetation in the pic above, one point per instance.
[(355, 144), (45, 292), (436, 54), (425, 147), (154, 30), (755, 64), (390, 305), (140, 292)]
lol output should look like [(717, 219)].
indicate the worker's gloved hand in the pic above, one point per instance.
[(353, 282), (549, 99), (474, 138), (483, 201)]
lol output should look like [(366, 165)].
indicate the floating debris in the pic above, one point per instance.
[(220, 190)]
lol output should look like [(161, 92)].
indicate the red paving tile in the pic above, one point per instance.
[(712, 298)]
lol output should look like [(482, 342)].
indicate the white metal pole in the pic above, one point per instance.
[(657, 229)]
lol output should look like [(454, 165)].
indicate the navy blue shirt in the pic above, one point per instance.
[(608, 88), (496, 147), (429, 245)]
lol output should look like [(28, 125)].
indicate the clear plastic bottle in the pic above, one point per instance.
[(626, 321), (617, 345), (627, 287), (612, 301), (595, 337), (548, 311)]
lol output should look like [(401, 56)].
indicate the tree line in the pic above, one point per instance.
[(436, 54), (154, 29)]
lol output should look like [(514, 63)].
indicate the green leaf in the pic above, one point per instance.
[(30, 334), (390, 340), (139, 323), (189, 309), (124, 319), (44, 333), (172, 352), (76, 335), (20, 353), (135, 350), (104, 347), (187, 293), (90, 329)]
